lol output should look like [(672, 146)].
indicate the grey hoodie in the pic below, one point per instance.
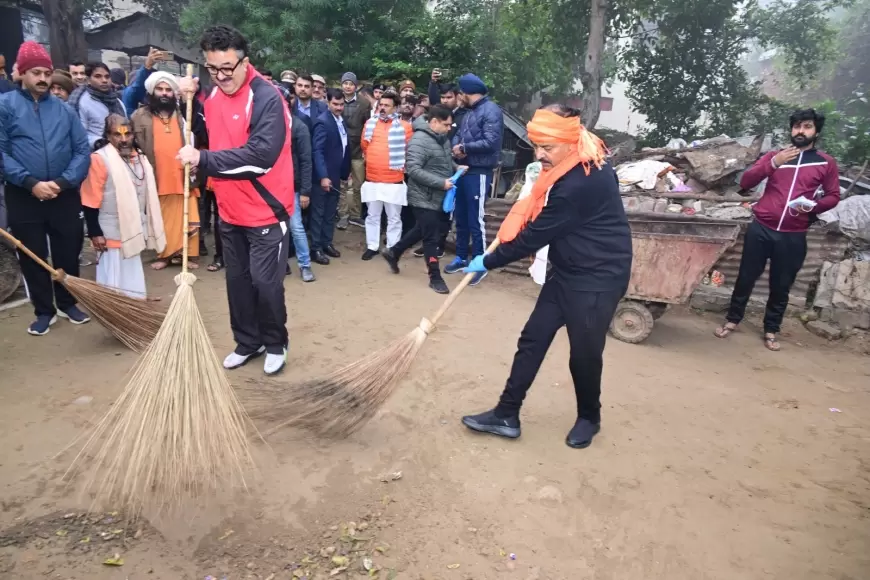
[(428, 163)]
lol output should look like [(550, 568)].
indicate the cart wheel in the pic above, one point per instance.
[(657, 309), (632, 322)]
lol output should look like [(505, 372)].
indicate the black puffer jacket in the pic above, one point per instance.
[(427, 164)]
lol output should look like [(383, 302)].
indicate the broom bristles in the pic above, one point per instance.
[(340, 403), (177, 430), (133, 321)]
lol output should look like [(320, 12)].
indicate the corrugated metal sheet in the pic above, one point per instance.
[(821, 246)]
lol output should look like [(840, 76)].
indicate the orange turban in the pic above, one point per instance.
[(549, 128)]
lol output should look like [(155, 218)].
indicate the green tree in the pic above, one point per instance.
[(685, 71), (323, 36)]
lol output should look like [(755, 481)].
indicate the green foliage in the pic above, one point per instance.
[(685, 74), (847, 136), (802, 30), (327, 37), (518, 48), (688, 65)]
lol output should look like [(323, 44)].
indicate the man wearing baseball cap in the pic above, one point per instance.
[(45, 158)]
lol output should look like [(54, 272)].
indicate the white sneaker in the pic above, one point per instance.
[(235, 360), (275, 362)]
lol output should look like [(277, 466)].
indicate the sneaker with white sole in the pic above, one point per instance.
[(275, 363), (40, 326), (235, 360), (74, 315)]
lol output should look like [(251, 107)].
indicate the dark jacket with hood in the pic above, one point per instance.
[(428, 163)]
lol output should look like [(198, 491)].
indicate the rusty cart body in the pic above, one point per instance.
[(671, 258)]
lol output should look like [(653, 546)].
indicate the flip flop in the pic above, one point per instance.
[(723, 331), (159, 264), (215, 266), (771, 343)]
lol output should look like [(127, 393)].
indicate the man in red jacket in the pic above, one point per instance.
[(249, 159), (802, 182)]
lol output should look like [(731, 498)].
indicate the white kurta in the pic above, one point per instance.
[(396, 193), (123, 274)]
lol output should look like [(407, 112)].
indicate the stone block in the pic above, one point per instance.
[(824, 330), (849, 319), (711, 298)]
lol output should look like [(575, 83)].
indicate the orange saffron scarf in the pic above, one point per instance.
[(546, 127)]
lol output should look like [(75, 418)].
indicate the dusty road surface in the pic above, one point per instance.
[(717, 459)]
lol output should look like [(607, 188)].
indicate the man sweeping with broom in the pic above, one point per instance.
[(575, 208), (249, 159)]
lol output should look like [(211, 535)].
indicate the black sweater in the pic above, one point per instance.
[(585, 226)]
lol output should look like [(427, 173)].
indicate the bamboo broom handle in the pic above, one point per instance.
[(458, 290), (54, 273), (188, 139)]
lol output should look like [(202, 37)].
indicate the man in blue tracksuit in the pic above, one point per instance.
[(476, 144), (45, 158)]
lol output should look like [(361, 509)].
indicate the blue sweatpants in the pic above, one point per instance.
[(471, 192)]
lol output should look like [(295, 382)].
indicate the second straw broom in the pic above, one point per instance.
[(340, 403), (178, 429)]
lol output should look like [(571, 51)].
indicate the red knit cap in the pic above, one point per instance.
[(31, 54)]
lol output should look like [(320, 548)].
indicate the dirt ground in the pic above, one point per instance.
[(717, 459)]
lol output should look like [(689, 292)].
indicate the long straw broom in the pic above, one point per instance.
[(340, 403), (133, 321), (177, 430)]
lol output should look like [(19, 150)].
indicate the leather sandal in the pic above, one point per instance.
[(771, 343), (724, 330)]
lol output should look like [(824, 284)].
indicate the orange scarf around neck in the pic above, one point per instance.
[(547, 127)]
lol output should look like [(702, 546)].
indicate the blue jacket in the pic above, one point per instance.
[(42, 141), (317, 109), (329, 159), (480, 134)]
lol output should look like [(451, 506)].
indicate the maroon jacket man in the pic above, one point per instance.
[(802, 182)]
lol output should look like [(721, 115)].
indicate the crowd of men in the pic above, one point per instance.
[(91, 152), (293, 160)]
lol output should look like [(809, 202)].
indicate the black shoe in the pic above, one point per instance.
[(418, 253), (369, 254), (289, 271), (331, 251), (320, 258), (391, 260), (489, 423), (581, 435), (439, 286), (440, 253)]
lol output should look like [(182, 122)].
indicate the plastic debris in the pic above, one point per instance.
[(452, 566), (835, 410), (513, 556), (395, 476)]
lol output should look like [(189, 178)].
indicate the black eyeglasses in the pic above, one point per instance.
[(224, 70)]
